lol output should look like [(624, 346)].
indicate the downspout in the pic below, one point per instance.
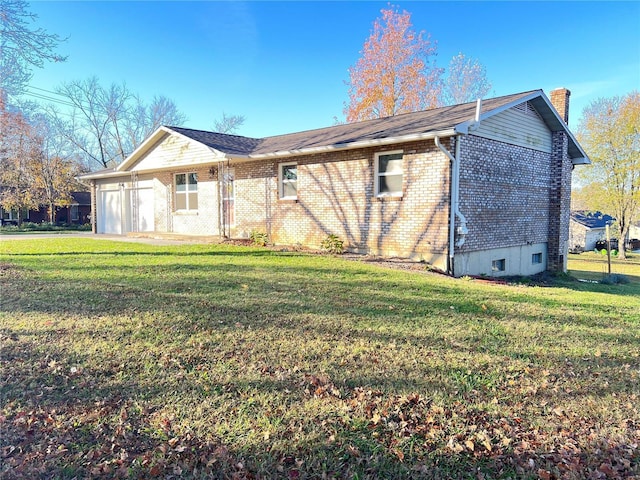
[(221, 227), (455, 211)]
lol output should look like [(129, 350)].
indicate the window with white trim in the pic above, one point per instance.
[(75, 213), (388, 174), (536, 258), (186, 191), (288, 181)]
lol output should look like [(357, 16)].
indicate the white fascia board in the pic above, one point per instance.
[(99, 175), (581, 161), (352, 146)]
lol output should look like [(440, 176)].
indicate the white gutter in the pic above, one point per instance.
[(455, 211)]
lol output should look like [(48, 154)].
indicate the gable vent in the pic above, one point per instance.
[(527, 109)]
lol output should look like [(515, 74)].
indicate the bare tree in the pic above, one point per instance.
[(22, 47), (106, 124), (53, 171), (465, 81), (228, 123)]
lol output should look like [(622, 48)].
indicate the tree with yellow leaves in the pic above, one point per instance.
[(394, 74), (610, 133)]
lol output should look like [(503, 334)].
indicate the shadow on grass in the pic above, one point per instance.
[(227, 348)]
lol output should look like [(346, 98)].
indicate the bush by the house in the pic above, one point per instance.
[(260, 239), (333, 244)]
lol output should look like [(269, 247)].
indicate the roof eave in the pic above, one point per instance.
[(98, 175), (353, 145), (581, 161)]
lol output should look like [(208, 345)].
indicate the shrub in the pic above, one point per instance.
[(44, 227), (259, 239), (333, 244), (615, 279)]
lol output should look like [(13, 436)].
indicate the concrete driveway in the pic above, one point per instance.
[(89, 235)]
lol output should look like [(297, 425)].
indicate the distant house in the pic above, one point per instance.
[(77, 213), (634, 236), (472, 189), (586, 228)]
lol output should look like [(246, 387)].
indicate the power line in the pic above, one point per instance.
[(40, 96)]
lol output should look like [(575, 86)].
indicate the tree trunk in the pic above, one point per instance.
[(52, 213), (622, 248)]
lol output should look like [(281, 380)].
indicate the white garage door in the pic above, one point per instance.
[(110, 213)]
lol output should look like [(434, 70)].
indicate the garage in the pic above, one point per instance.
[(141, 210), (110, 212)]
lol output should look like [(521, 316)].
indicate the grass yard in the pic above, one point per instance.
[(124, 360)]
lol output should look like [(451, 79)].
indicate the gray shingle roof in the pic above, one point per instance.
[(591, 219), (444, 121), (435, 120), (229, 144), (426, 121)]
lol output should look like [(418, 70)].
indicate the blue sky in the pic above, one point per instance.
[(283, 65)]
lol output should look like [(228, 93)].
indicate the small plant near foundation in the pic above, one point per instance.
[(258, 238), (333, 244)]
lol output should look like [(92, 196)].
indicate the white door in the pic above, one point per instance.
[(145, 209), (110, 212)]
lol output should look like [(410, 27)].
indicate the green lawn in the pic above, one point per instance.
[(123, 360)]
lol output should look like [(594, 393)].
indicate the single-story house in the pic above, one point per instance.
[(480, 188), (586, 228), (78, 212)]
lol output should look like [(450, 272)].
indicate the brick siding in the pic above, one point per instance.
[(511, 195), (504, 194), (559, 203), (204, 221), (336, 196)]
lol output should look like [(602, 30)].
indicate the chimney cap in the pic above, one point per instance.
[(561, 89)]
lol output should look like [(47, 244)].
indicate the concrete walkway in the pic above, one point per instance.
[(117, 238)]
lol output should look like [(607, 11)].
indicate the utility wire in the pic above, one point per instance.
[(48, 98)]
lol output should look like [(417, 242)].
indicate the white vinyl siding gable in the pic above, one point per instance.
[(519, 125), (174, 151)]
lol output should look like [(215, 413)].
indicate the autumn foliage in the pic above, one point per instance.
[(609, 131), (30, 175), (394, 74)]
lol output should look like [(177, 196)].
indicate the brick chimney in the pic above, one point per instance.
[(560, 101)]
